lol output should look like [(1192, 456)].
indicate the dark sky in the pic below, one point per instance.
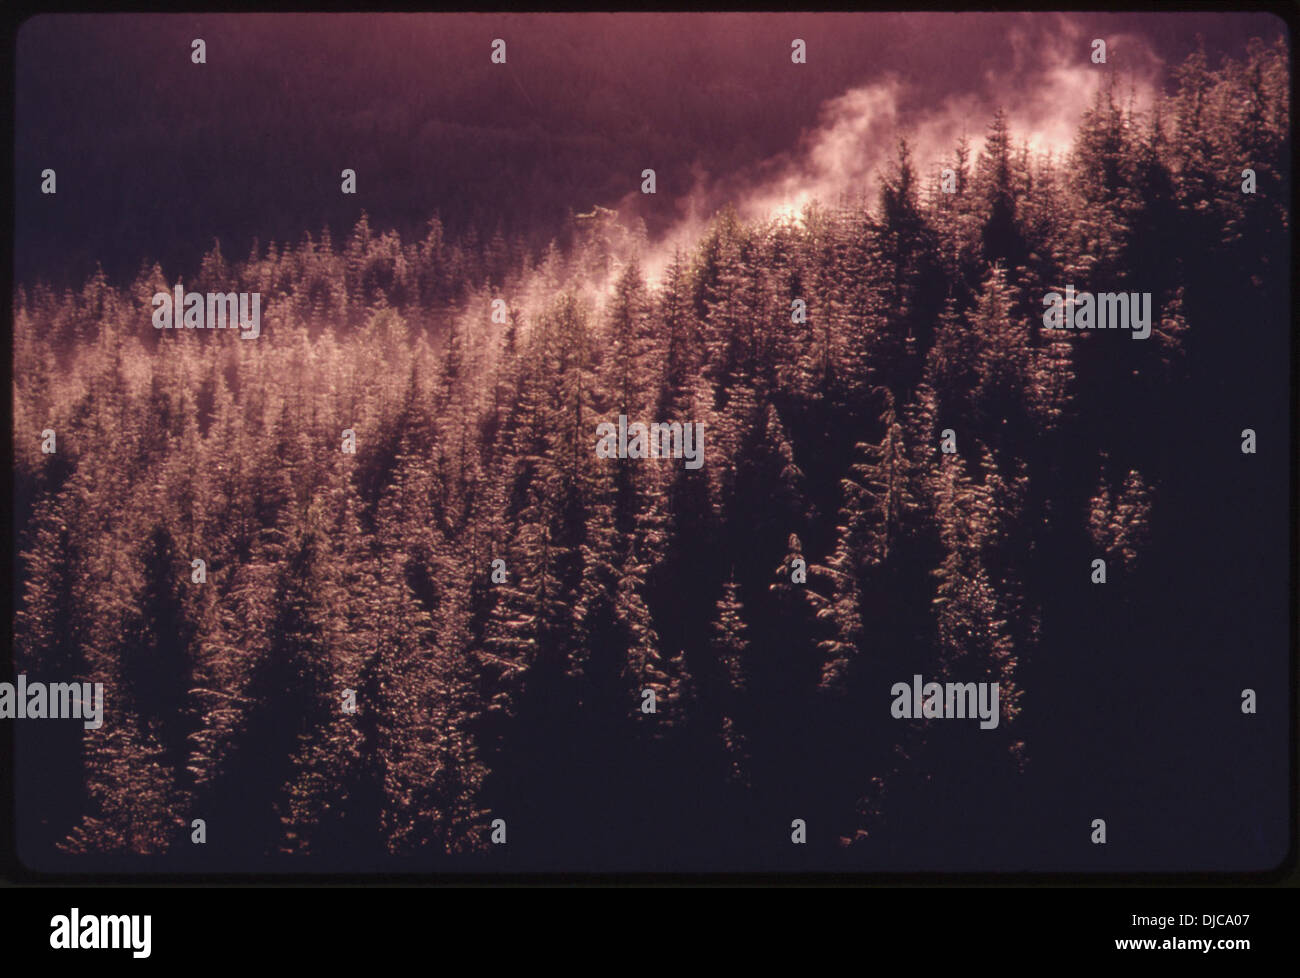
[(157, 156)]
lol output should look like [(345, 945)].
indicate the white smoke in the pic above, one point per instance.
[(1044, 92)]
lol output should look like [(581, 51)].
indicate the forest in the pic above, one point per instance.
[(521, 699)]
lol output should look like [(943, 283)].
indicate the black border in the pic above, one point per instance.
[(12, 872)]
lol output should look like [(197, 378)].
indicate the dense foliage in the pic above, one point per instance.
[(372, 571)]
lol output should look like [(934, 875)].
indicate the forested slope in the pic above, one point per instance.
[(521, 700)]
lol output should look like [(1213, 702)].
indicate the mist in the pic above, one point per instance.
[(157, 157)]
